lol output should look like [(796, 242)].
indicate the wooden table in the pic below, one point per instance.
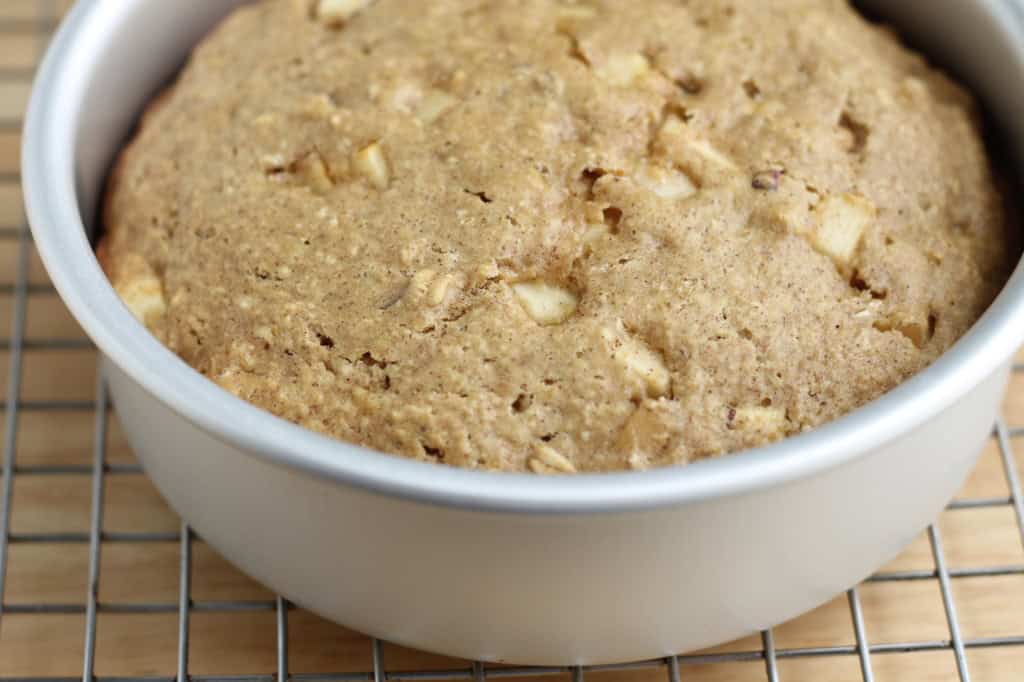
[(233, 622)]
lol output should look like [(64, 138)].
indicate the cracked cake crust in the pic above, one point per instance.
[(556, 236)]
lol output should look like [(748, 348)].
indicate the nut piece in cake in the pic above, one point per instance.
[(843, 220), (767, 180), (639, 362), (438, 290), (685, 146), (429, 287), (547, 304), (916, 329), (371, 163), (547, 460), (766, 422), (141, 290), (594, 233), (570, 15), (337, 12), (313, 171), (653, 433), (434, 105), (623, 70), (666, 182)]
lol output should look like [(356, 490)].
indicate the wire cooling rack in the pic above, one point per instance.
[(98, 580)]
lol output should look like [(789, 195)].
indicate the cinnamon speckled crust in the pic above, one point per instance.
[(557, 236)]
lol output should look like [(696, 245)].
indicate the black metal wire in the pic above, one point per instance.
[(948, 603), (771, 665), (11, 413), (860, 632), (184, 601), (281, 606), (1012, 478), (95, 530)]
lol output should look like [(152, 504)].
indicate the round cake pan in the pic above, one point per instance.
[(502, 567)]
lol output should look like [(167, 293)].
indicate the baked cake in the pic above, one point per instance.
[(557, 236)]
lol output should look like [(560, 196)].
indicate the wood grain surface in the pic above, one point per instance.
[(232, 643)]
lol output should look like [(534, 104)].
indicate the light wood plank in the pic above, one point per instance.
[(1013, 406), (136, 644), (836, 669), (319, 646), (827, 625), (975, 538), (214, 579), (988, 480), (132, 504), (225, 643), (995, 665), (47, 574), (63, 6), (925, 666), (10, 151), (909, 611), (752, 671), (13, 99), (750, 643), (50, 504), (59, 375), (9, 263), (990, 606), (47, 319), (36, 272), (42, 445), (402, 659), (11, 213), (20, 10), (118, 449), (41, 645), (144, 572), (916, 557), (20, 51)]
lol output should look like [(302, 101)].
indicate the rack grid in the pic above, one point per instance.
[(81, 482)]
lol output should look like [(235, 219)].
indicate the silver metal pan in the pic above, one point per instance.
[(560, 570)]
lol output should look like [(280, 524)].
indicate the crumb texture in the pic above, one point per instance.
[(553, 236)]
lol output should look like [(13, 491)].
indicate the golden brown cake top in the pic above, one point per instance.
[(557, 236)]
